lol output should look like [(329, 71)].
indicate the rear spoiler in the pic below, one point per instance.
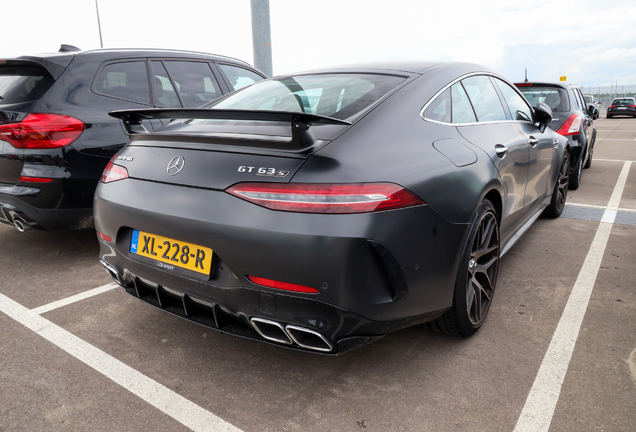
[(302, 137)]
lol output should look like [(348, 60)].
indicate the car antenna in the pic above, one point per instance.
[(526, 80)]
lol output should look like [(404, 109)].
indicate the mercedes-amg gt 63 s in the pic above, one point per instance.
[(322, 210)]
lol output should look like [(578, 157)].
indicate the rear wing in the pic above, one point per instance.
[(302, 137)]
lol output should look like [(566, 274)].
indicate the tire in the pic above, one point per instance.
[(476, 277), (575, 176), (589, 159), (608, 116), (560, 193)]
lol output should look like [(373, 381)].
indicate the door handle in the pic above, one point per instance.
[(501, 150), (555, 142), (533, 141)]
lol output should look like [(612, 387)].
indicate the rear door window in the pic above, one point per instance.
[(239, 77), (440, 109), (23, 83), (125, 80), (165, 94), (462, 111), (195, 82), (484, 98)]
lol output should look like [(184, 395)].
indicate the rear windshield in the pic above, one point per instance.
[(555, 97), (23, 83), (623, 102), (333, 95)]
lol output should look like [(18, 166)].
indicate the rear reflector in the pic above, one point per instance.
[(35, 179), (104, 237), (282, 285), (571, 126), (42, 131), (523, 85), (113, 173), (326, 198)]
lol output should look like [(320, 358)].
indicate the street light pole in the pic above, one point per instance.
[(261, 36)]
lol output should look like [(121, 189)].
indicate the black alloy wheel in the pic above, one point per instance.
[(560, 193), (476, 277), (589, 159)]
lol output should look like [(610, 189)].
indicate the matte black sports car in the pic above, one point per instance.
[(56, 136), (320, 211)]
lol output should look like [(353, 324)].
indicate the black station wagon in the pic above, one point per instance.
[(56, 136)]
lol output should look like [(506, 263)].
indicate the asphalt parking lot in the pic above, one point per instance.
[(557, 353)]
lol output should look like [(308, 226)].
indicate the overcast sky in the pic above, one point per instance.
[(592, 42)]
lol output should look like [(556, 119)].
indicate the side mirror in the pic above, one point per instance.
[(592, 111), (542, 115)]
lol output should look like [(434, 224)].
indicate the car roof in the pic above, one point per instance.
[(410, 67), (65, 57)]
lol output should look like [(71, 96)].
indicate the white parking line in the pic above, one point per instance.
[(620, 209), (67, 301), (612, 160), (538, 410), (614, 139), (179, 408)]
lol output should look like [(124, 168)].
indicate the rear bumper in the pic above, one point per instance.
[(374, 272), (619, 112), (12, 209)]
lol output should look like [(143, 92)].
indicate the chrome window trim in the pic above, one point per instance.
[(449, 85)]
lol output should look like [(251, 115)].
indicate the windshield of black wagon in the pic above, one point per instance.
[(333, 95)]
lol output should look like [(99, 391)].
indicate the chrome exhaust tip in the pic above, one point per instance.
[(271, 330), (112, 271), (20, 225), (309, 339)]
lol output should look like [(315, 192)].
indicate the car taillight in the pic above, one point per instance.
[(612, 106), (282, 285), (632, 106), (571, 126), (113, 173), (42, 131), (28, 179), (326, 198)]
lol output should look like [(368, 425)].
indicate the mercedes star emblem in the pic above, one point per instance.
[(176, 165)]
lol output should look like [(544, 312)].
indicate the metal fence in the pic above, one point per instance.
[(605, 94)]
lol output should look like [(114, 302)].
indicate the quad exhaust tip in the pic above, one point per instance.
[(20, 225), (291, 334), (112, 271)]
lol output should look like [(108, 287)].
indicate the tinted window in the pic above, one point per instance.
[(623, 102), (554, 97), (195, 82), (127, 80), (239, 77), (333, 95), (484, 98), (516, 103), (23, 83), (462, 109), (440, 108), (165, 94)]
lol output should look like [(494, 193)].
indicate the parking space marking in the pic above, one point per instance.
[(72, 299), (614, 139), (538, 410), (179, 408), (612, 160), (601, 207)]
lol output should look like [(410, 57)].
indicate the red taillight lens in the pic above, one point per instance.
[(27, 179), (571, 126), (523, 85), (327, 198), (612, 106), (42, 131), (113, 173), (282, 285)]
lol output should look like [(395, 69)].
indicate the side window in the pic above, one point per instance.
[(518, 106), (128, 80), (195, 82), (440, 108), (462, 111), (239, 77), (165, 94), (484, 98), (575, 96)]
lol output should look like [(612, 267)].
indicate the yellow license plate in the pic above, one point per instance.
[(171, 252)]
